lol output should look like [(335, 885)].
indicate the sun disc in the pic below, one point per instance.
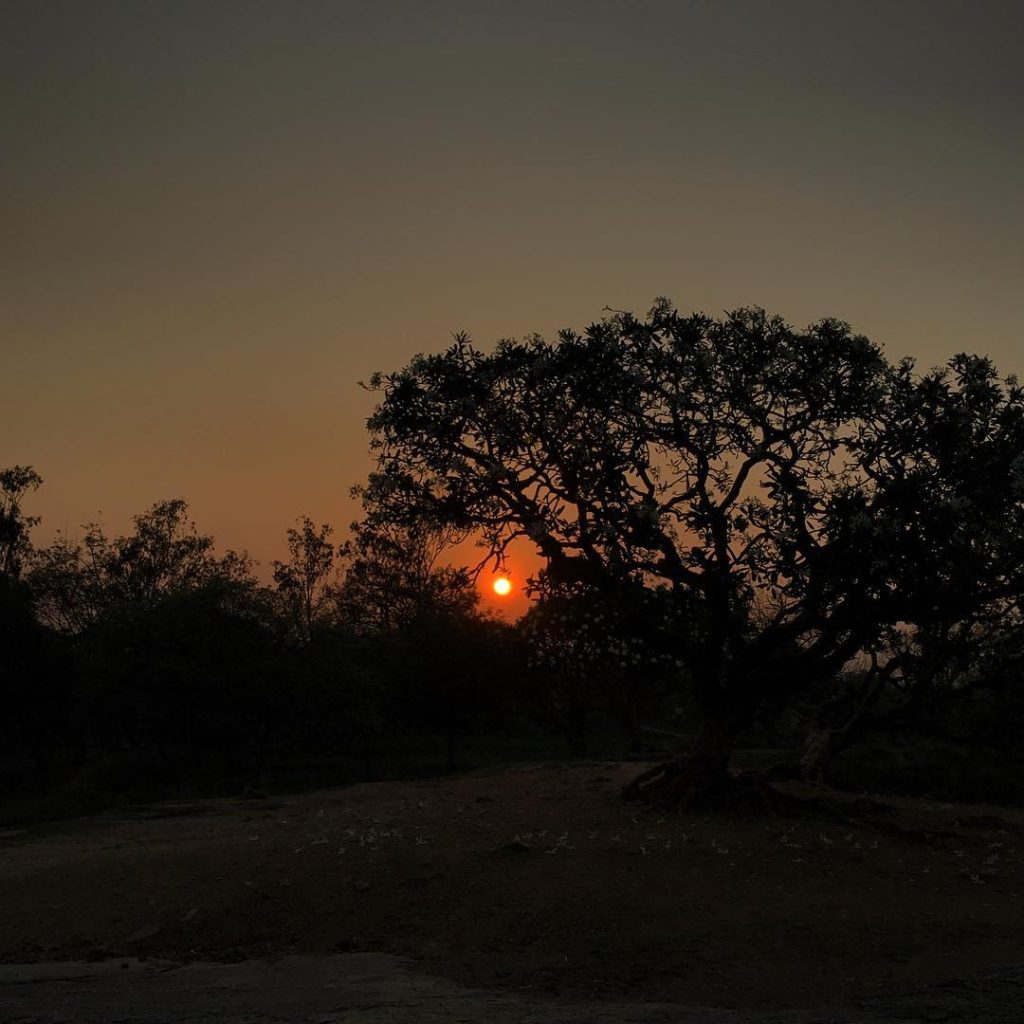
[(502, 586)]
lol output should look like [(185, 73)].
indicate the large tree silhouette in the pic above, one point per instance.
[(800, 496)]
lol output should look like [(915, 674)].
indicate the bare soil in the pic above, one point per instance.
[(540, 880)]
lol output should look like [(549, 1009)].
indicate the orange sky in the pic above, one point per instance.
[(219, 217)]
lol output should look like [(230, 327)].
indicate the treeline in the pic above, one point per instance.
[(150, 664)]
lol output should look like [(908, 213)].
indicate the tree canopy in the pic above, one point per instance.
[(15, 526), (164, 554), (303, 582), (797, 493), (395, 578)]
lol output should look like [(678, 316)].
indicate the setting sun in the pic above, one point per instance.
[(502, 586)]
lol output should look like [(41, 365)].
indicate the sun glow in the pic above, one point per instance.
[(502, 586)]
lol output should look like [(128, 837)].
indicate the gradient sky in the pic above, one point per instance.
[(217, 217)]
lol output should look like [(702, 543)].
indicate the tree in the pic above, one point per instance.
[(424, 618), (394, 579), (740, 464), (172, 643), (192, 676), (303, 581), (15, 545), (75, 583), (33, 675)]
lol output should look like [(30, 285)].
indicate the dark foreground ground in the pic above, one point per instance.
[(534, 894), (375, 988)]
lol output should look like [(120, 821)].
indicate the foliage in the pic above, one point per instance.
[(147, 663), (740, 464), (424, 615), (394, 579), (76, 583), (15, 526), (303, 582), (757, 518), (187, 675)]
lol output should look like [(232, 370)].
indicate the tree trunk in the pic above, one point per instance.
[(824, 743), (701, 779)]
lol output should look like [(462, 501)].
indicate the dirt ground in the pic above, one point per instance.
[(538, 880)]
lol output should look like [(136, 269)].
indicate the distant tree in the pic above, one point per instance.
[(740, 464), (393, 576), (36, 676), (303, 582), (172, 643), (424, 617), (443, 673), (75, 583), (192, 676), (15, 526)]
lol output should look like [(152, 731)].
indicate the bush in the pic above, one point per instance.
[(919, 765)]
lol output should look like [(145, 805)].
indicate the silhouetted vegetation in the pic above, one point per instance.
[(751, 535), (149, 665), (810, 508)]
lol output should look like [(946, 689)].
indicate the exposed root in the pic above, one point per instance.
[(699, 784), (695, 784)]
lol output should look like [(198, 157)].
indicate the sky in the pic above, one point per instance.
[(218, 217)]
